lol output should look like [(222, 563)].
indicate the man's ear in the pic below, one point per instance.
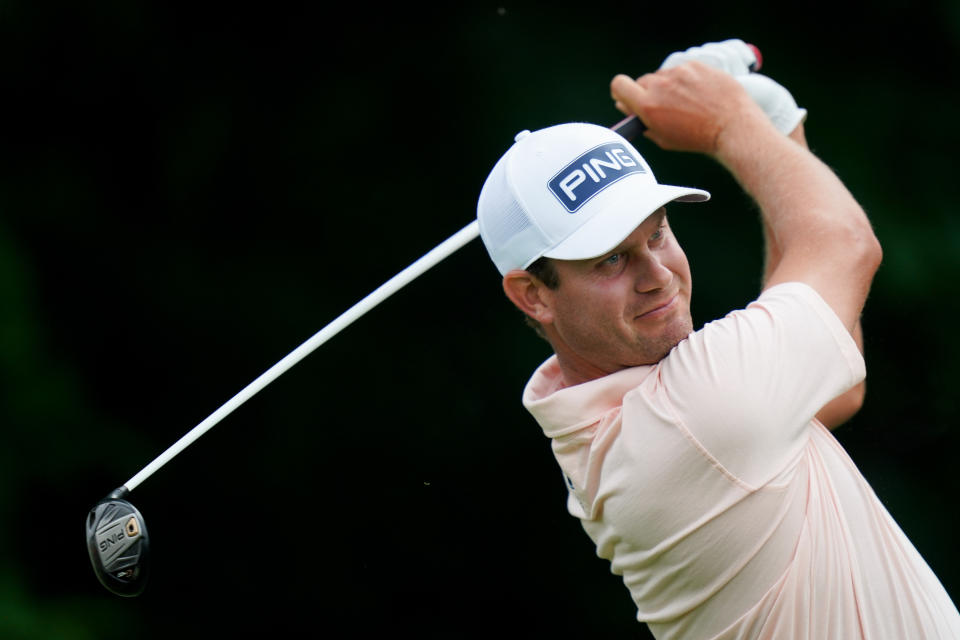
[(529, 294)]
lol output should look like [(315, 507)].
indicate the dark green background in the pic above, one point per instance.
[(190, 191)]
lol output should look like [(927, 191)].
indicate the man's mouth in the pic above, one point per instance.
[(660, 310)]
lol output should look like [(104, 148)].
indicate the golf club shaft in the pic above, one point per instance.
[(628, 128), (388, 288)]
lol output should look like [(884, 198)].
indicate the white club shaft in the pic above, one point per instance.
[(388, 288)]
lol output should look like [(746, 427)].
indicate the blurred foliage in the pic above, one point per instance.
[(189, 191)]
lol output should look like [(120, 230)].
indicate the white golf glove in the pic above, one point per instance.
[(775, 101), (737, 58)]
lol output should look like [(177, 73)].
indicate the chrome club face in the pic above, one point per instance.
[(118, 545)]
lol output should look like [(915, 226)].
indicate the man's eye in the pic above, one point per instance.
[(612, 260), (658, 234)]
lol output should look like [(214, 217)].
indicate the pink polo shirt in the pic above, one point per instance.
[(729, 511)]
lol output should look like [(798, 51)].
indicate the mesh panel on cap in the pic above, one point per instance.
[(508, 218), (509, 224)]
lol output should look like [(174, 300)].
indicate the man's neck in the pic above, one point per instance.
[(575, 370)]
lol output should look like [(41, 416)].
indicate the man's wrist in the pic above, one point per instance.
[(744, 135)]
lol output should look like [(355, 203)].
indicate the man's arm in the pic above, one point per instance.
[(816, 232), (845, 406)]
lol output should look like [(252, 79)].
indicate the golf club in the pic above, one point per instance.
[(116, 534)]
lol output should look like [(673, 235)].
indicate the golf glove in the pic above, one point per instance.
[(735, 57), (775, 101), (738, 58)]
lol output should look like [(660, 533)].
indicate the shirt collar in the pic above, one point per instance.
[(560, 410)]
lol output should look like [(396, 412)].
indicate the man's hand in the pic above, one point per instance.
[(686, 108), (741, 60)]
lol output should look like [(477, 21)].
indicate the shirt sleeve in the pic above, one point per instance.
[(746, 387)]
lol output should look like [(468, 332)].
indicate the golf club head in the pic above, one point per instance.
[(118, 545)]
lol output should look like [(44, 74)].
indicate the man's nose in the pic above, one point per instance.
[(651, 274)]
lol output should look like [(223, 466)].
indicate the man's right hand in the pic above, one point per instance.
[(688, 107), (740, 60)]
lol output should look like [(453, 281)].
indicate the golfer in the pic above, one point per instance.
[(701, 463)]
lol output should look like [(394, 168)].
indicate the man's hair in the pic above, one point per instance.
[(544, 271)]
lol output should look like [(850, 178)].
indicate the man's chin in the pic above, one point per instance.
[(654, 349)]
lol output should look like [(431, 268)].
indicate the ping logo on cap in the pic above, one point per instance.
[(593, 172)]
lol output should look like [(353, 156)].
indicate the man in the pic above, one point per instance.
[(698, 461)]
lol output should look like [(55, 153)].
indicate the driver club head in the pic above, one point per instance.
[(118, 544)]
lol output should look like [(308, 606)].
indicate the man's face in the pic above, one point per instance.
[(626, 308)]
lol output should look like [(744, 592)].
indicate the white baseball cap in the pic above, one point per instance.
[(572, 191)]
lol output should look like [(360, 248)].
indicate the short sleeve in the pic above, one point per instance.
[(746, 387)]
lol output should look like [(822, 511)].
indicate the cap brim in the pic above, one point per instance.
[(608, 228)]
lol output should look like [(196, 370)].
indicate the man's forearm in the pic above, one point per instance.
[(771, 248), (845, 406), (802, 202), (816, 232)]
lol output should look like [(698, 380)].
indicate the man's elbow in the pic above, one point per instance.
[(857, 252), (864, 245), (872, 252)]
